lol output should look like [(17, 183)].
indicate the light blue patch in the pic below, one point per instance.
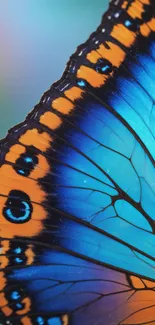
[(127, 212), (54, 321), (20, 171), (40, 320), (81, 83), (28, 159), (17, 250), (18, 260), (127, 23), (15, 295)]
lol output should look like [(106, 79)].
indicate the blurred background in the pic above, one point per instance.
[(37, 37)]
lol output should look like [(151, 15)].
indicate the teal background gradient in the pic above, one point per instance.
[(37, 37)]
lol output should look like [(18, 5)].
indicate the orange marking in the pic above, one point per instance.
[(27, 307), (93, 56), (14, 152), (41, 169), (151, 24), (2, 281), (7, 311), (26, 321), (137, 283), (142, 316), (34, 138), (65, 320), (147, 2), (149, 284), (95, 79), (135, 10), (3, 300), (144, 29), (74, 93), (3, 261), (124, 5), (30, 255), (5, 246), (63, 105), (11, 180), (123, 35), (51, 120), (115, 54)]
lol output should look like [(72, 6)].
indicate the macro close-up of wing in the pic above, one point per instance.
[(77, 186)]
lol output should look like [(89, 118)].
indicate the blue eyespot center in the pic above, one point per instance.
[(15, 295), (18, 208), (128, 23), (81, 83), (40, 320)]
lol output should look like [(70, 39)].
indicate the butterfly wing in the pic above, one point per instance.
[(77, 186)]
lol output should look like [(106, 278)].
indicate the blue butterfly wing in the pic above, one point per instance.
[(77, 186), (66, 289)]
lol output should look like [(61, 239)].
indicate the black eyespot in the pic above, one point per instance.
[(18, 208), (104, 66), (26, 163)]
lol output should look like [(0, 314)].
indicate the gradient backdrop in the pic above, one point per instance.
[(37, 37)]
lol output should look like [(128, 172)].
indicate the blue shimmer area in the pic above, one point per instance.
[(100, 248), (105, 159), (134, 120), (71, 177), (83, 164), (135, 96), (82, 203), (145, 79), (106, 129)]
